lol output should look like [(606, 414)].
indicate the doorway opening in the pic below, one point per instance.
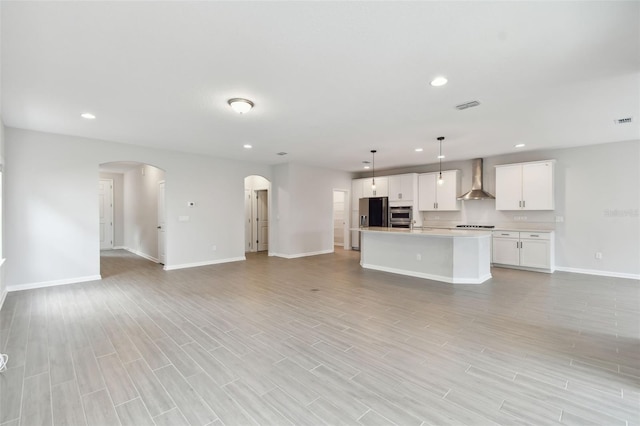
[(340, 219), (132, 212), (257, 195)]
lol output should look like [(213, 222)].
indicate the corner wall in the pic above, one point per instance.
[(303, 205), (52, 211)]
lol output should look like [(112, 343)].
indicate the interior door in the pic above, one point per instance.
[(248, 237), (262, 219), (161, 223), (105, 203)]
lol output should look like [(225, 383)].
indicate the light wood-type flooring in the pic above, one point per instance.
[(316, 341)]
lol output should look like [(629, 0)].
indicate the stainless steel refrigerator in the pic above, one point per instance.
[(373, 211)]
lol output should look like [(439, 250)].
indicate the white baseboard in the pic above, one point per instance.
[(53, 283), (205, 263), (141, 254), (433, 277), (119, 248), (598, 272), (294, 256)]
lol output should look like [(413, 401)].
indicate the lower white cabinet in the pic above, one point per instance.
[(526, 250)]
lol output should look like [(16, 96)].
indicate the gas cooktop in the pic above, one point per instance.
[(476, 226)]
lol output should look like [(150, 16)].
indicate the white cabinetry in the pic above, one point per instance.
[(526, 250), (432, 196), (525, 186), (403, 187), (382, 187)]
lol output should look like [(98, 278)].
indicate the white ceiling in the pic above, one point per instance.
[(330, 80)]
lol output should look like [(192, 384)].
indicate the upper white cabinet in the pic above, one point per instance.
[(356, 194), (382, 187), (403, 187), (525, 186), (432, 196)]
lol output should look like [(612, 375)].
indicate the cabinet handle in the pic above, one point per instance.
[(506, 235), (534, 235), (400, 196), (524, 203), (520, 203)]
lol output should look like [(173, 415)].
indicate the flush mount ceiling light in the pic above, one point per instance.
[(247, 146), (439, 81), (520, 145), (440, 180), (240, 105), (88, 116)]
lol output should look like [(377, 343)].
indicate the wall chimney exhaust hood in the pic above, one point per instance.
[(476, 192)]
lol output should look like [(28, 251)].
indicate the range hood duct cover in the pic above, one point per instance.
[(476, 193)]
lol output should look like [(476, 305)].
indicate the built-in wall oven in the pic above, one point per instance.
[(401, 217)]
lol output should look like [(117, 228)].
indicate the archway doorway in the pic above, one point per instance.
[(132, 209), (257, 197)]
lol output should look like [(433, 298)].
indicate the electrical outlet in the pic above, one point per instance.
[(559, 219), (598, 255), (214, 247), (418, 256)]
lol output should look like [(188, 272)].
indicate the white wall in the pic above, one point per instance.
[(52, 212), (118, 206), (597, 193), (303, 205), (141, 210)]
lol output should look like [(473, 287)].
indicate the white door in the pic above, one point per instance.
[(427, 191), (247, 220), (537, 184), (508, 187), (505, 251), (161, 223), (447, 193), (535, 253), (262, 219), (105, 202)]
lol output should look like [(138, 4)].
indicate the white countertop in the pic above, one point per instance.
[(427, 232)]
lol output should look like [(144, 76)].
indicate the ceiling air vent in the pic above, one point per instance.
[(281, 153), (623, 120), (467, 105)]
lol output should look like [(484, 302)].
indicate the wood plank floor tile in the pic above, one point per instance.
[(250, 342), (134, 413), (117, 379), (99, 409), (36, 403), (153, 394), (67, 405), (185, 397), (11, 382)]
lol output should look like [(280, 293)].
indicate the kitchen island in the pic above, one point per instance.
[(451, 256)]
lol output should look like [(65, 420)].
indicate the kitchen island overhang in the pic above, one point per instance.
[(451, 256)]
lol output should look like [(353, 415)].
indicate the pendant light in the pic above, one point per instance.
[(440, 180), (373, 169)]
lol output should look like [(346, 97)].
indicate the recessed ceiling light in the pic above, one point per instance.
[(439, 81), (440, 156), (367, 167), (88, 116), (247, 146), (520, 145), (419, 149), (240, 105)]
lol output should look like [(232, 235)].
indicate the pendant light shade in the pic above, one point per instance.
[(373, 169), (440, 156)]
